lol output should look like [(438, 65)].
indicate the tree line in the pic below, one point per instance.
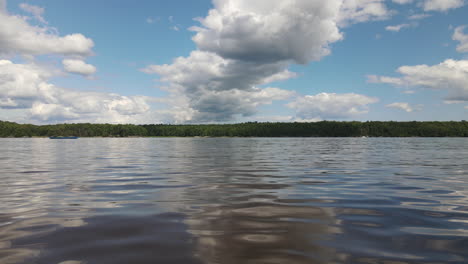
[(251, 129)]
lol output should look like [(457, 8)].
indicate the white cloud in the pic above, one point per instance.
[(175, 28), (402, 2), (331, 105), (418, 16), (358, 11), (405, 107), (280, 76), (225, 105), (48, 112), (397, 28), (273, 30), (384, 79), (26, 86), (151, 20), (208, 71), (462, 38), (433, 5), (19, 37), (19, 83), (78, 67), (409, 92), (450, 75), (442, 5), (280, 29), (453, 102), (218, 106), (270, 30), (274, 119), (245, 44), (218, 89), (36, 11)]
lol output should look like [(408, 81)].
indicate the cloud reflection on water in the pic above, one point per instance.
[(233, 200)]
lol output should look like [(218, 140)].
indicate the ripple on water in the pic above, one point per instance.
[(234, 200)]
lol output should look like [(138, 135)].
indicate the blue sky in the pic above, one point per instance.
[(226, 61)]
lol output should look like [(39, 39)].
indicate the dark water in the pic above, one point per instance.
[(206, 200)]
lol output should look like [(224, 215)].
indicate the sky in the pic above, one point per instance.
[(229, 61)]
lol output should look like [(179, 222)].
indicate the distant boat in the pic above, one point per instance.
[(63, 137)]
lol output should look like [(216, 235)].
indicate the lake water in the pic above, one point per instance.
[(234, 200)]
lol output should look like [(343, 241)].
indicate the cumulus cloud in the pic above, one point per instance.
[(405, 107), (78, 67), (462, 38), (49, 112), (269, 30), (19, 83), (218, 89), (274, 30), (36, 11), (397, 28), (244, 45), (442, 5), (26, 86), (331, 105), (225, 105), (19, 37), (450, 75), (208, 71)]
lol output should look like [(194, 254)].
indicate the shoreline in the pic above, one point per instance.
[(243, 130), (47, 137)]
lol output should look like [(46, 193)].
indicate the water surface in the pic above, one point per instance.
[(234, 200)]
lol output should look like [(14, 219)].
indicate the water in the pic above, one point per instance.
[(223, 200)]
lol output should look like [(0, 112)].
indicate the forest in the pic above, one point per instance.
[(251, 129)]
